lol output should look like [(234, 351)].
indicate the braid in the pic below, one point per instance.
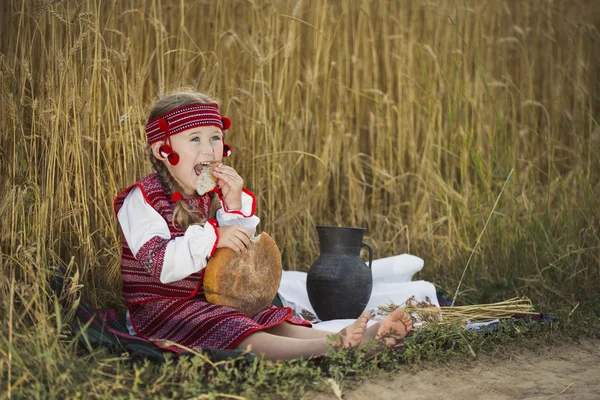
[(183, 214), (215, 205)]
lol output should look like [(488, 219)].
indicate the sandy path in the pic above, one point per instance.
[(570, 371)]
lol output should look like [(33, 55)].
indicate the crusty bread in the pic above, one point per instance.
[(206, 181), (246, 282)]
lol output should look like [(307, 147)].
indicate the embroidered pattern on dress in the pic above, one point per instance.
[(151, 255), (141, 275)]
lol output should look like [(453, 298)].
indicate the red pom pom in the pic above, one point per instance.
[(226, 150), (226, 123), (163, 124), (173, 158), (165, 150), (176, 197)]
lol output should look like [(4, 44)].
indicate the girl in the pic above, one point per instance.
[(169, 232)]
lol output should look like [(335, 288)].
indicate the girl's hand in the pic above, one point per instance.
[(231, 185), (234, 237)]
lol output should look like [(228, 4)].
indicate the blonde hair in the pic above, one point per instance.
[(184, 215)]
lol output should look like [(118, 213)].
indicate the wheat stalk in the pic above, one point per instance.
[(426, 312)]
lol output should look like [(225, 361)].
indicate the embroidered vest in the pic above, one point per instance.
[(141, 275)]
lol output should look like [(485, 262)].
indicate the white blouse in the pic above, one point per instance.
[(186, 254)]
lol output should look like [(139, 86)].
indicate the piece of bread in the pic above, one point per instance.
[(206, 181), (246, 282)]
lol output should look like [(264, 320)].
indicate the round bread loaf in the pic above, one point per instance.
[(246, 282)]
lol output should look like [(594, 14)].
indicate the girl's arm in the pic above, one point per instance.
[(237, 204), (243, 217), (149, 239)]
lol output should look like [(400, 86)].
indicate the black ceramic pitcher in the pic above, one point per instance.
[(339, 283)]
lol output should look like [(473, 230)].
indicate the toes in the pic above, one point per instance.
[(399, 312), (365, 316)]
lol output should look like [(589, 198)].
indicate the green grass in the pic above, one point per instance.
[(51, 374), (462, 132)]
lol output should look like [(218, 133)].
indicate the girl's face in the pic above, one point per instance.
[(195, 146)]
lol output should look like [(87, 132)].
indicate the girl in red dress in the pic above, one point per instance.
[(169, 232)]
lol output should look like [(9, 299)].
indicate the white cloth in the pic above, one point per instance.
[(391, 284), (186, 254)]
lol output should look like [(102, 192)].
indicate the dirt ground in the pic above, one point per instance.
[(570, 371)]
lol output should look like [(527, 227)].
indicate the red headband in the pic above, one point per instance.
[(180, 119)]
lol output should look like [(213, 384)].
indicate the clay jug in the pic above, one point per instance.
[(339, 283)]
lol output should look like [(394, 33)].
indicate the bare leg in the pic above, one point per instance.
[(287, 341), (350, 336), (273, 347), (297, 331)]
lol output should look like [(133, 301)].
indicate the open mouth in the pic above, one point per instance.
[(199, 167)]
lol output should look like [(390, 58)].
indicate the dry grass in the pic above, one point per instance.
[(425, 312), (403, 117)]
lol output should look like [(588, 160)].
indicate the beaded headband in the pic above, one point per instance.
[(183, 118)]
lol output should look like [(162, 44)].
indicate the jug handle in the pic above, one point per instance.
[(365, 244)]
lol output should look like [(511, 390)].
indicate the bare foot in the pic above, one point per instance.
[(394, 327), (352, 335)]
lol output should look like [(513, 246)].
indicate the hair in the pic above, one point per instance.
[(183, 215)]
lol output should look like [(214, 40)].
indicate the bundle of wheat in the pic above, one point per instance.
[(425, 312)]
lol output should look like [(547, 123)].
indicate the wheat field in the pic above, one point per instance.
[(464, 132)]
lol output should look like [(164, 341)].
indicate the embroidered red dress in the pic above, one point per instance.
[(165, 310)]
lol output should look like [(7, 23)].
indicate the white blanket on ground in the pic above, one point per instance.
[(392, 283)]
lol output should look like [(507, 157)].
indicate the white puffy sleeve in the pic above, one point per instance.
[(244, 217), (149, 239)]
